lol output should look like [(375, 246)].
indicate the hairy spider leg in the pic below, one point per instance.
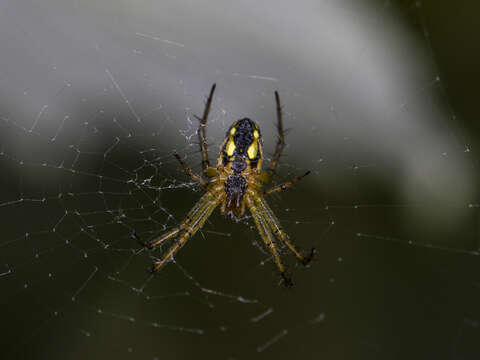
[(286, 185), (195, 220), (280, 141), (192, 217), (277, 230), (160, 239), (267, 237), (190, 173), (201, 131)]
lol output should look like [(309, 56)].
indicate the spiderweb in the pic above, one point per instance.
[(95, 101)]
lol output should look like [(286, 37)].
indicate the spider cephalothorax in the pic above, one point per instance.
[(235, 184)]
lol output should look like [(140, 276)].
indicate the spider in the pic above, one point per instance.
[(235, 183)]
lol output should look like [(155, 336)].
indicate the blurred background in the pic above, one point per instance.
[(380, 100)]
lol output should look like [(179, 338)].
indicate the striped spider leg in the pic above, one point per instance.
[(194, 221), (265, 220)]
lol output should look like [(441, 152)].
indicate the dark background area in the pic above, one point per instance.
[(450, 29), (395, 276)]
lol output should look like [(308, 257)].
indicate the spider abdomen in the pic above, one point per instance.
[(235, 188)]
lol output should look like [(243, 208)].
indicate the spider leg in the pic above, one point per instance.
[(157, 241), (193, 215), (285, 186), (194, 221), (274, 224), (201, 130), (267, 237), (190, 173), (280, 141)]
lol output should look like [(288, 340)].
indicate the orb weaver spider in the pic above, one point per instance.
[(235, 183)]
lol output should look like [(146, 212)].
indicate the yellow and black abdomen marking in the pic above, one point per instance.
[(241, 149)]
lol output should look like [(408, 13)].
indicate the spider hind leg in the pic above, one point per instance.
[(277, 230), (267, 237), (306, 259), (287, 281), (195, 221)]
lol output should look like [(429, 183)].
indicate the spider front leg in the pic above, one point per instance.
[(280, 141), (267, 237), (190, 173), (201, 131)]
